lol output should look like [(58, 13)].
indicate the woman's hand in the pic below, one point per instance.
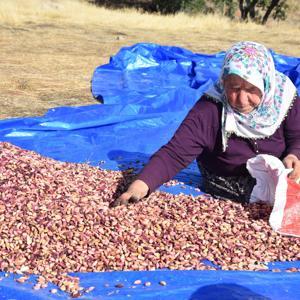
[(136, 191), (292, 162)]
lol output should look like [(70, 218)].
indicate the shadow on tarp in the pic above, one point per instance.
[(190, 177), (226, 292)]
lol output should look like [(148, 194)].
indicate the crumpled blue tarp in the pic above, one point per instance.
[(147, 90), (146, 71)]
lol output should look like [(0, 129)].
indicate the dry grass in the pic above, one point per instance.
[(50, 48)]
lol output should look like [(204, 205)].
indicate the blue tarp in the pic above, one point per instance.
[(147, 90), (189, 285)]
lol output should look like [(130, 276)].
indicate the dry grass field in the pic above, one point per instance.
[(50, 48)]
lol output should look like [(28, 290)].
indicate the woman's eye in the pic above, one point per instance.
[(251, 90), (234, 88)]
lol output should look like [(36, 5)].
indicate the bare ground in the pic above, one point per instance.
[(46, 65)]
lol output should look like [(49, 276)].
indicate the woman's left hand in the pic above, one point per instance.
[(292, 162)]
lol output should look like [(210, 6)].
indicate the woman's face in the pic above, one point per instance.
[(241, 95)]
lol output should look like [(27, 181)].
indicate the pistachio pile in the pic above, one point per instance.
[(55, 219)]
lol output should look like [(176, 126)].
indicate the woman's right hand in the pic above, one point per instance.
[(135, 192), (291, 161)]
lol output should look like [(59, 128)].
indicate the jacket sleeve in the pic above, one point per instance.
[(292, 129), (192, 136)]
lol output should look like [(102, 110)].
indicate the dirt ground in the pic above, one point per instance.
[(46, 65)]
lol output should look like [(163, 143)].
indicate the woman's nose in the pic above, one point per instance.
[(242, 97)]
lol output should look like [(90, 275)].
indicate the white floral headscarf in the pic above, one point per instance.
[(254, 63)]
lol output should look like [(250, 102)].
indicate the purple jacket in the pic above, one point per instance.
[(199, 137)]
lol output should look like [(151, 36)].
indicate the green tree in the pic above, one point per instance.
[(255, 10), (260, 10), (226, 7), (194, 6), (167, 7)]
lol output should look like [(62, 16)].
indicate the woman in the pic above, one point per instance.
[(252, 109)]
